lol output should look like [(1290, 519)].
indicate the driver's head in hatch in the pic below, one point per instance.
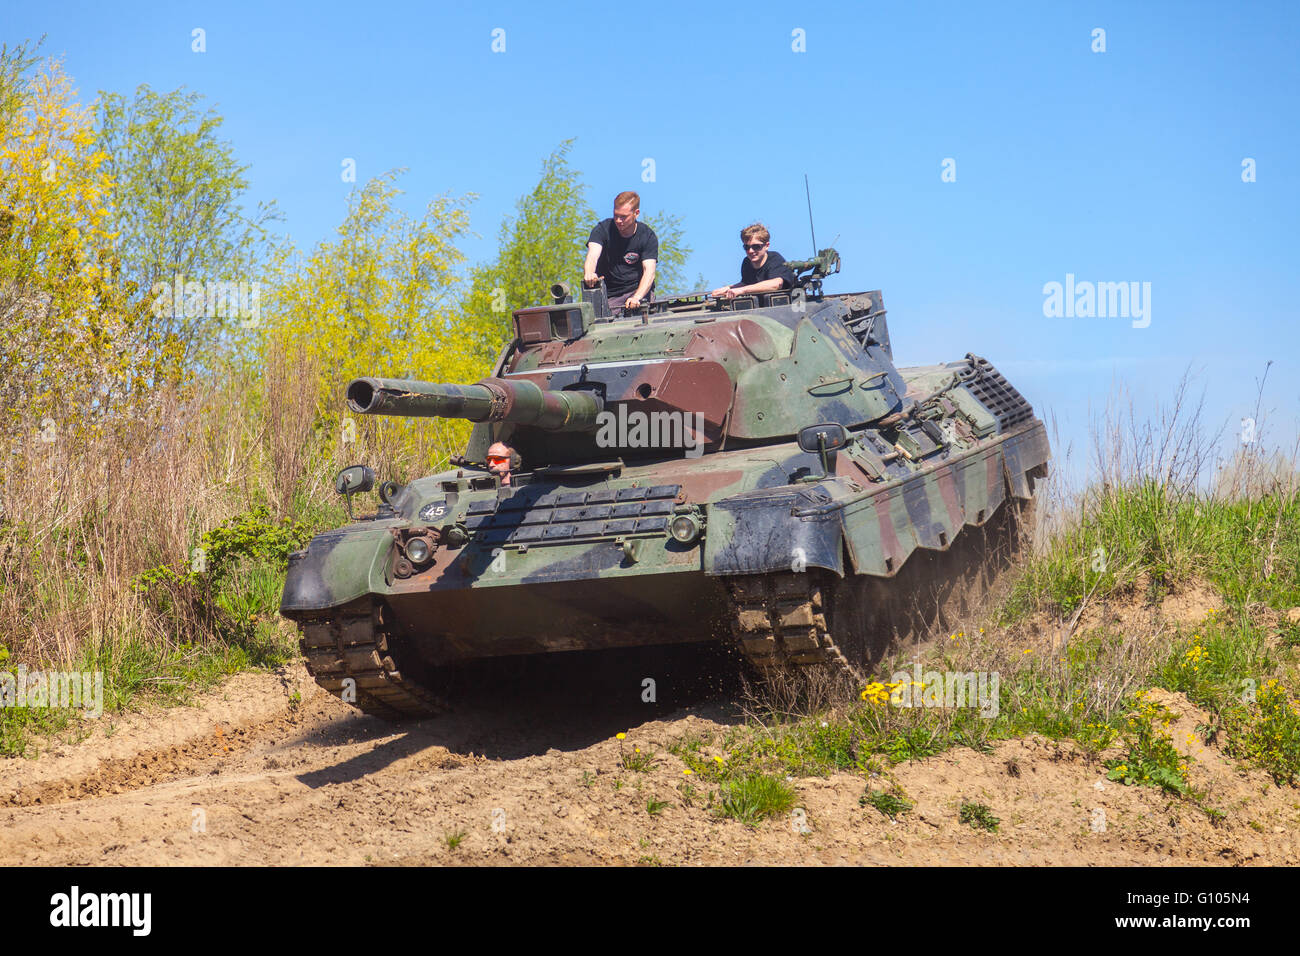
[(502, 460)]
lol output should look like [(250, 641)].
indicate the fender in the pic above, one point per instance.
[(788, 528), (336, 568)]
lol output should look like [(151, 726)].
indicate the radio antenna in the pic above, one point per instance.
[(808, 194)]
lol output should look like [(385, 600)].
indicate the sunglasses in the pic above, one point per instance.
[(498, 459), (754, 246)]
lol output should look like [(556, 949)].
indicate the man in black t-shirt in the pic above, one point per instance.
[(762, 270), (624, 253)]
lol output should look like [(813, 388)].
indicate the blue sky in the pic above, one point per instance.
[(1115, 166)]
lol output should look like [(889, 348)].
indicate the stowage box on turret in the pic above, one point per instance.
[(755, 470)]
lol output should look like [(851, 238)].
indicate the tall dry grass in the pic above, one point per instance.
[(84, 515)]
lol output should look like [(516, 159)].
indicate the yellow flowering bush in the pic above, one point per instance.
[(1269, 733), (1151, 759)]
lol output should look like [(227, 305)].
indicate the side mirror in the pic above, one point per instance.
[(352, 480), (824, 440)]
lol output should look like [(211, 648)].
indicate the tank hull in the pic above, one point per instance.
[(766, 575)]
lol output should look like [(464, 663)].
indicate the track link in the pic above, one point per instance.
[(355, 647), (780, 624)]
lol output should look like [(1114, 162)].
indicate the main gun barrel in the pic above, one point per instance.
[(490, 400)]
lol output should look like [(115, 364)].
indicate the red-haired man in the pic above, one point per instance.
[(624, 253)]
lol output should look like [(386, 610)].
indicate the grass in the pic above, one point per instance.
[(978, 817), (1267, 734), (190, 631), (455, 838), (1150, 537), (753, 798), (1289, 634), (891, 805), (637, 760)]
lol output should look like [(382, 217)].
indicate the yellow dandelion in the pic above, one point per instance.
[(621, 736), (687, 770)]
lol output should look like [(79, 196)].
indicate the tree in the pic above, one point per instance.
[(14, 66), (62, 325), (544, 241), (377, 301), (673, 253), (178, 216)]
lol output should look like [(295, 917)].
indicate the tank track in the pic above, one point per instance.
[(780, 623), (354, 645)]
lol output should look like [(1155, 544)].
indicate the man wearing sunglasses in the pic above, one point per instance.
[(762, 270), (502, 460)]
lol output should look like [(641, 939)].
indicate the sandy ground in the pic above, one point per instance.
[(269, 770)]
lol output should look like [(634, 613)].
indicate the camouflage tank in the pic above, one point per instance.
[(754, 470)]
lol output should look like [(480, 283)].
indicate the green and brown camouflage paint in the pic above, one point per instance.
[(578, 553)]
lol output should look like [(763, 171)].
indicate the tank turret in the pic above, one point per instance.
[(757, 368)]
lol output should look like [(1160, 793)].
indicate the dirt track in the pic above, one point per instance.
[(251, 776)]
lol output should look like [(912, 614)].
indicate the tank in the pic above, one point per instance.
[(755, 471)]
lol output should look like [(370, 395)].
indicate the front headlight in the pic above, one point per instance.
[(685, 528), (418, 550)]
